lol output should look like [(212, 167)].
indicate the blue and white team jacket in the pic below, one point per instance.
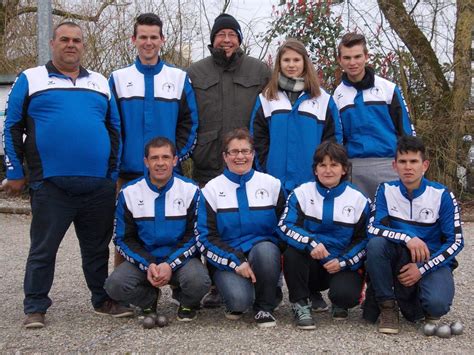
[(154, 100), (235, 213), (372, 119), (155, 225), (335, 217), (432, 215), (286, 136), (72, 128)]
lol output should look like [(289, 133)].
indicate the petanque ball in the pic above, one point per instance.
[(443, 331), (429, 329), (148, 322), (457, 328), (161, 321)]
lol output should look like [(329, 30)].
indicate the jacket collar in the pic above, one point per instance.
[(367, 81), (331, 192), (238, 179), (148, 69), (417, 192), (221, 60), (160, 190), (53, 71)]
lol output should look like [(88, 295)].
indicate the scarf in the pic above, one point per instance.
[(292, 86)]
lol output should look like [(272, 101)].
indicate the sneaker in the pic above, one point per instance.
[(389, 317), (186, 314), (233, 315), (303, 317), (34, 321), (318, 304), (339, 313), (212, 299), (112, 308), (265, 319)]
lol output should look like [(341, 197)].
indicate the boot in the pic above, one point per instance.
[(389, 318)]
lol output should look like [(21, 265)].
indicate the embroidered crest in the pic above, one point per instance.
[(168, 87), (261, 194), (178, 204), (426, 214), (348, 211)]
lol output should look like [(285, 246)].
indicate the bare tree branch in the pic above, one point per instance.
[(71, 15), (396, 14)]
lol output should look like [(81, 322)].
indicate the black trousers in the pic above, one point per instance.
[(305, 275), (54, 210)]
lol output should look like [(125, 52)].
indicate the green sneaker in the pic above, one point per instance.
[(186, 314), (303, 317)]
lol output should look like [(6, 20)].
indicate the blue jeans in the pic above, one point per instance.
[(435, 289), (239, 294), (53, 210), (129, 285)]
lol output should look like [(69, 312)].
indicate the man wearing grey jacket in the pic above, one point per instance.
[(226, 85)]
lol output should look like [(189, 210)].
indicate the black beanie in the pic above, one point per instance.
[(225, 21)]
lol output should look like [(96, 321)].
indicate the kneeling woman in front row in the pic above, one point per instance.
[(237, 220), (324, 224)]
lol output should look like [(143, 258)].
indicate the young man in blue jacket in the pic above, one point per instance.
[(373, 116), (415, 233), (154, 232), (154, 99)]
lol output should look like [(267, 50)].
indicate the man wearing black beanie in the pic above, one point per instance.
[(226, 85)]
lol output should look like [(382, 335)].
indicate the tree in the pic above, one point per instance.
[(447, 116), (18, 30)]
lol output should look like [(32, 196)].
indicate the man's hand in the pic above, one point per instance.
[(159, 275), (418, 249), (14, 187), (332, 266), (319, 252), (246, 271), (409, 275)]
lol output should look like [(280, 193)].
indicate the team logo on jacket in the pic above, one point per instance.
[(426, 214), (314, 104), (168, 87), (376, 91), (178, 204), (140, 203), (93, 85), (261, 194), (129, 84), (348, 211)]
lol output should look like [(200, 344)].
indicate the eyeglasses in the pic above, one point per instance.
[(235, 152), (222, 35)]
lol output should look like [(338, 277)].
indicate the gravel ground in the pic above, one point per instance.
[(71, 326)]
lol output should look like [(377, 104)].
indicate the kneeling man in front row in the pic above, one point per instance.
[(415, 233), (154, 231)]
